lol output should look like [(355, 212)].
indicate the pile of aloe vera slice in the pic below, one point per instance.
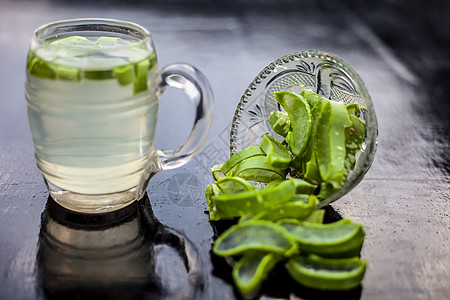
[(280, 223)]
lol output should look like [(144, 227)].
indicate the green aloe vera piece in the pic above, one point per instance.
[(354, 109), (75, 41), (292, 209), (315, 216), (303, 187), (339, 239), (258, 235), (329, 144), (142, 68), (252, 202), (327, 274), (310, 97), (280, 123), (277, 155), (300, 116), (257, 169), (232, 185), (217, 172), (41, 69), (68, 72), (240, 156), (107, 41), (252, 269), (312, 169), (98, 74), (354, 138), (125, 74), (213, 215), (309, 163)]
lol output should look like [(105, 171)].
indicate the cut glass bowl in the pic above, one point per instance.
[(323, 73)]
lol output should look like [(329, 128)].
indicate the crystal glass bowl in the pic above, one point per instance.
[(323, 73)]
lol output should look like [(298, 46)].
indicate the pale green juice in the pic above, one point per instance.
[(92, 110)]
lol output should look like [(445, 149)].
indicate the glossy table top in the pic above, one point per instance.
[(160, 248)]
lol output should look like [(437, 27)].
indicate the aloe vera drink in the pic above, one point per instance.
[(92, 110)]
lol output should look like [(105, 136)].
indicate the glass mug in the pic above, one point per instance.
[(92, 90)]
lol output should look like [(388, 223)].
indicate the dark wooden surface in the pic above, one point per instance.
[(400, 51)]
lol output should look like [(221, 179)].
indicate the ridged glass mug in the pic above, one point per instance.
[(92, 90)]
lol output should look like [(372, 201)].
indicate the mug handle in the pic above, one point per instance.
[(196, 86)]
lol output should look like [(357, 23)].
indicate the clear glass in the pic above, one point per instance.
[(323, 73), (92, 90)]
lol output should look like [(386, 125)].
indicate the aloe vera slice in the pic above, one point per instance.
[(256, 235), (329, 144), (231, 185), (41, 69), (300, 116), (142, 68), (310, 97), (252, 202), (354, 138), (251, 271), (68, 72), (240, 156), (107, 41), (312, 169), (277, 155), (98, 74), (309, 163), (280, 123), (354, 109), (125, 74), (292, 209), (255, 168), (303, 187), (327, 274), (217, 172), (315, 216), (339, 239), (213, 215), (73, 40)]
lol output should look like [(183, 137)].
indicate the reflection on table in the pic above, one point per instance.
[(119, 255)]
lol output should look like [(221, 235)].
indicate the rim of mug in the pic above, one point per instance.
[(41, 34)]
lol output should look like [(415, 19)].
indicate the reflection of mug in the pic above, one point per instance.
[(92, 90), (113, 256)]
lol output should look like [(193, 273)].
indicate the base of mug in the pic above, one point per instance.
[(92, 204)]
